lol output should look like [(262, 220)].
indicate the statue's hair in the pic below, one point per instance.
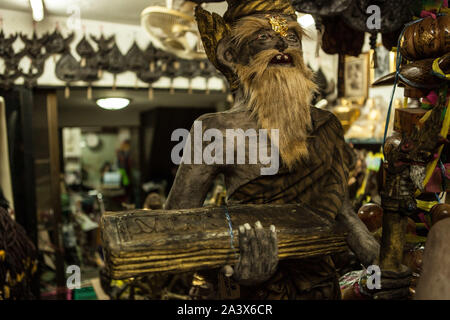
[(280, 98)]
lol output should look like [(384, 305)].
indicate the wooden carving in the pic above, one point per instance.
[(406, 156), (142, 241), (34, 49), (67, 68), (207, 70), (85, 50), (11, 61), (34, 46), (135, 59), (152, 70), (426, 39), (56, 43), (34, 72), (104, 46), (116, 60), (417, 74), (89, 65), (188, 69), (8, 77), (6, 44)]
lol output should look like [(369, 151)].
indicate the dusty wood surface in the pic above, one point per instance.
[(139, 242)]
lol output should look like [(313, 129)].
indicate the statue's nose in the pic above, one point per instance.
[(281, 44)]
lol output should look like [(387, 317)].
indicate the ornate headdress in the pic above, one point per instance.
[(214, 28)]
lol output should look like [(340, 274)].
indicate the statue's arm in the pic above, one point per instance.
[(193, 181), (335, 196), (359, 238), (335, 201), (191, 186)]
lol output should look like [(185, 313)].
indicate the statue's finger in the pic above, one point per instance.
[(262, 238), (273, 239), (253, 242), (242, 236), (274, 248), (243, 241), (241, 269), (228, 271), (262, 260)]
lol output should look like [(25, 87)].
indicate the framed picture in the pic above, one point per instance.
[(386, 62), (357, 76)]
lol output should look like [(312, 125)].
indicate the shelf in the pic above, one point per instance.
[(373, 141)]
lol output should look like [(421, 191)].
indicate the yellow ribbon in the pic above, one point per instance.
[(426, 205), (362, 189), (34, 268), (438, 69), (7, 292), (444, 131), (20, 276)]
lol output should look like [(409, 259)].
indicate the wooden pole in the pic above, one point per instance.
[(53, 141), (393, 241)]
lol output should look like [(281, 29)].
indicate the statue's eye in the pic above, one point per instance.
[(262, 36)]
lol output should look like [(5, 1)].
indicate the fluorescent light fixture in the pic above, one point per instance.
[(37, 7), (113, 103), (306, 20)]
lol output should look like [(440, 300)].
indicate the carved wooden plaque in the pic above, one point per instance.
[(140, 241)]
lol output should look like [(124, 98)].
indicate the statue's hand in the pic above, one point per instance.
[(258, 258), (394, 285)]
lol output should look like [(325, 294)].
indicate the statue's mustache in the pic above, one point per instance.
[(266, 57)]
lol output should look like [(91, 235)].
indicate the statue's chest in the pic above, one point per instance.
[(299, 185)]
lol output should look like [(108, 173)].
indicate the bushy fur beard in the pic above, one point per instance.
[(279, 98)]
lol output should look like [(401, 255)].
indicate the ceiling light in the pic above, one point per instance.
[(113, 103), (37, 7), (306, 20)]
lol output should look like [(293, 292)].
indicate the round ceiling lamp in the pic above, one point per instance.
[(113, 103), (306, 20)]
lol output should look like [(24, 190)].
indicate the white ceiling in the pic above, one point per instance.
[(119, 11)]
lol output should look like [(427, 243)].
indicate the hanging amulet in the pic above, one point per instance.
[(429, 38)]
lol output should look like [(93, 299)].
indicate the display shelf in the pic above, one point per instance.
[(364, 141)]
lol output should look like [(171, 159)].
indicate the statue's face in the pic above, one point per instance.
[(263, 37), (265, 51), (266, 39)]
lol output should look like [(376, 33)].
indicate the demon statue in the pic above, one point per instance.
[(257, 46)]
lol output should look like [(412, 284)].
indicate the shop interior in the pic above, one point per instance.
[(90, 96)]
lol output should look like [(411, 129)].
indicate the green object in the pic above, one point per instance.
[(65, 202), (86, 293), (125, 180)]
